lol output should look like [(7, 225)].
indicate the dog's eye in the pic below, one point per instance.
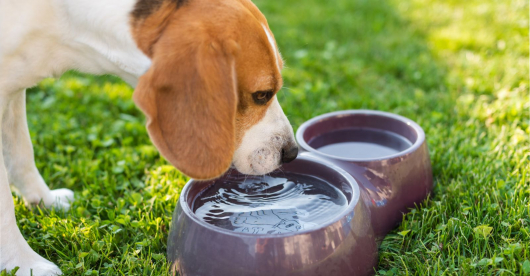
[(262, 97)]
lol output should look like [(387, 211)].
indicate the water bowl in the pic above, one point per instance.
[(393, 176), (358, 172)]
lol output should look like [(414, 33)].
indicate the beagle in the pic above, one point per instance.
[(205, 73)]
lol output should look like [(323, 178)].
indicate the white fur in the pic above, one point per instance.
[(273, 46), (45, 38), (261, 146)]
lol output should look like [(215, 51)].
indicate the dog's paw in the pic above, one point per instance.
[(44, 268), (61, 199), (38, 267)]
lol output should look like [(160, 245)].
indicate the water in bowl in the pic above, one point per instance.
[(360, 143), (273, 204)]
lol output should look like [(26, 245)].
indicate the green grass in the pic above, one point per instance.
[(458, 68)]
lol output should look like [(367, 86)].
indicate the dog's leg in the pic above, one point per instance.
[(19, 158), (14, 250)]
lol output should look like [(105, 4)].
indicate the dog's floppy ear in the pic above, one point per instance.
[(189, 98)]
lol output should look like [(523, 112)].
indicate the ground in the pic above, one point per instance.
[(458, 68)]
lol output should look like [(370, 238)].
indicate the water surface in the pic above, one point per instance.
[(272, 204), (361, 143)]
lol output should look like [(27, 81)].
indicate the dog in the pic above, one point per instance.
[(205, 72)]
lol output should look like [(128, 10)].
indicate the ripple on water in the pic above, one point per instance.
[(272, 204)]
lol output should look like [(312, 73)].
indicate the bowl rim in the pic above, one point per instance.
[(301, 130), (183, 201)]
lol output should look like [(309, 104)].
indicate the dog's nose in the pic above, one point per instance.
[(289, 154)]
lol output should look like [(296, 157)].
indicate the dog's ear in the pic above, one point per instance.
[(189, 98)]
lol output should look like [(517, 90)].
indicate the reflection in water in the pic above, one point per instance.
[(279, 203)]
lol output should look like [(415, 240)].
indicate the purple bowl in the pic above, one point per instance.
[(390, 184), (378, 189)]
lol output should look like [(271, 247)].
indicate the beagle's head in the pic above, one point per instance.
[(210, 93)]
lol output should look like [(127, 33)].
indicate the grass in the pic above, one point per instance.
[(458, 68)]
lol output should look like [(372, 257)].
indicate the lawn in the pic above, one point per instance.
[(458, 68)]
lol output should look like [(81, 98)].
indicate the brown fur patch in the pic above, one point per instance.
[(191, 107), (147, 31)]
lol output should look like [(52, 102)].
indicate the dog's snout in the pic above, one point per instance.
[(289, 154)]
